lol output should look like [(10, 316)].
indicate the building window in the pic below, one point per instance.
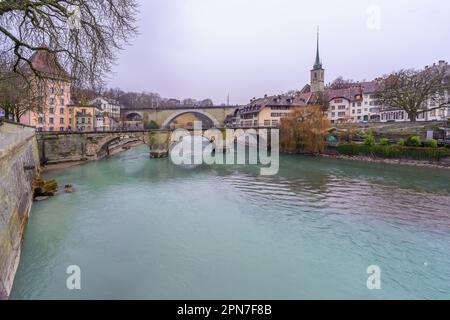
[(341, 114), (61, 121), (279, 108), (341, 107), (51, 110), (40, 120), (62, 102), (333, 114), (275, 123), (51, 101), (61, 129), (267, 123), (61, 111), (51, 120), (279, 115), (51, 129)]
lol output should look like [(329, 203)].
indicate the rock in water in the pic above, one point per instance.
[(45, 188), (40, 198), (68, 188)]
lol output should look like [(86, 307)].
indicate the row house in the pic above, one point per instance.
[(82, 117), (266, 112), (109, 107)]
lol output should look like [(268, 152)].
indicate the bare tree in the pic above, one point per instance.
[(83, 35), (17, 96), (341, 83), (207, 103), (321, 99), (410, 90)]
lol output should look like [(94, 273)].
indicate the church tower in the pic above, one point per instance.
[(317, 73)]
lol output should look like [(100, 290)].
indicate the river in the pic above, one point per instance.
[(143, 228)]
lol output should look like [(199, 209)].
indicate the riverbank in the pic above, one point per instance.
[(444, 164)]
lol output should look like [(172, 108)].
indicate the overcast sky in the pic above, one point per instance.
[(207, 48)]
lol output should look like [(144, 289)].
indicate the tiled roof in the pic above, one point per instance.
[(47, 63), (280, 100), (369, 86), (347, 93)]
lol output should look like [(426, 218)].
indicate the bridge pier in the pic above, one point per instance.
[(158, 142)]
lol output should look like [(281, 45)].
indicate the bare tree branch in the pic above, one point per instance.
[(84, 35)]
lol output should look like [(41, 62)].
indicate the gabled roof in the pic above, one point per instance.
[(47, 63), (278, 100), (369, 87), (349, 94)]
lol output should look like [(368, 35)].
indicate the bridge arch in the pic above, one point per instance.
[(176, 114), (134, 116)]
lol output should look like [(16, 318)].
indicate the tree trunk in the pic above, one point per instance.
[(412, 116)]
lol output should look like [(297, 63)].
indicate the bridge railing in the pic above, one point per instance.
[(143, 131)]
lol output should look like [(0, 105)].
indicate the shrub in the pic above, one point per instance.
[(414, 141), (384, 142), (401, 142), (431, 143), (394, 152), (369, 140), (152, 125)]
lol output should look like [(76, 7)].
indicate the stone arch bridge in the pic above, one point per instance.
[(61, 147), (164, 116)]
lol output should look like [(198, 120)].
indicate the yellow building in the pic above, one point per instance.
[(82, 118), (267, 111)]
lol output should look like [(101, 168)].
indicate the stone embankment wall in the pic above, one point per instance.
[(19, 166)]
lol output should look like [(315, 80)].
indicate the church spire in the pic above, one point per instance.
[(318, 63)]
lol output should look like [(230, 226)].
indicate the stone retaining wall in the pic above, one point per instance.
[(19, 165)]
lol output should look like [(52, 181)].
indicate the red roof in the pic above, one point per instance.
[(46, 62)]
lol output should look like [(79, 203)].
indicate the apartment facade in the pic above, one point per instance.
[(103, 122), (266, 112), (110, 107), (82, 118), (51, 113)]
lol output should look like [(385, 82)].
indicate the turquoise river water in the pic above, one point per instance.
[(140, 228)]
